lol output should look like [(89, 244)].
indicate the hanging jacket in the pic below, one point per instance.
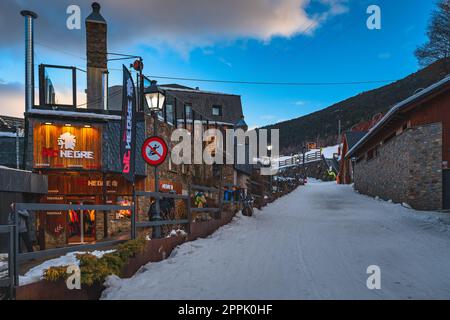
[(92, 215), (23, 215)]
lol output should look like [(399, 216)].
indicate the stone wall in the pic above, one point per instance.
[(408, 168)]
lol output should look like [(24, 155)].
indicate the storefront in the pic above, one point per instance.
[(71, 156)]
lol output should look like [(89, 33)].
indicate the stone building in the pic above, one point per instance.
[(183, 107), (405, 156)]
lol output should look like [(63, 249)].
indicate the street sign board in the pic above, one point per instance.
[(154, 150)]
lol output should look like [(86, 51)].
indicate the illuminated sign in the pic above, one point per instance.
[(59, 146), (66, 143)]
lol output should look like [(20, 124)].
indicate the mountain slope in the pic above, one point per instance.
[(323, 125)]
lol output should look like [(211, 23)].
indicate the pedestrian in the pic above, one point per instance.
[(200, 200), (24, 235)]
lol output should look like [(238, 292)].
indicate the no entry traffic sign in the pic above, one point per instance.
[(154, 151)]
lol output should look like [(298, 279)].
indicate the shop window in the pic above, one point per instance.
[(123, 201), (188, 110), (217, 110), (169, 113)]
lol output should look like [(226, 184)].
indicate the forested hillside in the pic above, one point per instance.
[(323, 125)]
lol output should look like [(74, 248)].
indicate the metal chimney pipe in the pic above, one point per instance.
[(105, 75), (29, 58)]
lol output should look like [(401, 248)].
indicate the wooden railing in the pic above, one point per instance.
[(298, 159)]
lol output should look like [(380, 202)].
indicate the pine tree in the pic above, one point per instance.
[(438, 45)]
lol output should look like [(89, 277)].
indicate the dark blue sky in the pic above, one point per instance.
[(245, 45)]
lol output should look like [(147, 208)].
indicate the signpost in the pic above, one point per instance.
[(154, 150)]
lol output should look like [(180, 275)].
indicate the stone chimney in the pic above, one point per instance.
[(96, 51)]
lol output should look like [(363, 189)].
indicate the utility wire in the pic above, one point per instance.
[(110, 95), (274, 82), (59, 50)]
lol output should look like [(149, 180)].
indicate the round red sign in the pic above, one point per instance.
[(154, 151)]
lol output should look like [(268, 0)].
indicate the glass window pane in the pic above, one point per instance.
[(188, 111)]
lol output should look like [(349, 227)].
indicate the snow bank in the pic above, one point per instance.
[(36, 273), (177, 232), (328, 152)]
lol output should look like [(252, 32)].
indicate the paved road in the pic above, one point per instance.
[(315, 243)]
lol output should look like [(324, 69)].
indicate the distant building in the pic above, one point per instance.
[(11, 141), (349, 139), (405, 156)]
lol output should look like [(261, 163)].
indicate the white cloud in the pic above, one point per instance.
[(178, 24), (336, 6)]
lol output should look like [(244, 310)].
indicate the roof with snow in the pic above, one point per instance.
[(74, 114), (9, 124), (399, 107)]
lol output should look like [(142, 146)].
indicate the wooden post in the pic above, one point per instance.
[(220, 194), (189, 212)]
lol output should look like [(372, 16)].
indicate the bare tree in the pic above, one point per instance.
[(438, 45)]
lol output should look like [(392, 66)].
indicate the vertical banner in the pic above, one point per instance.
[(128, 126)]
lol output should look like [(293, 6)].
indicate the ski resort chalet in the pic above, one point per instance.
[(76, 147), (405, 156)]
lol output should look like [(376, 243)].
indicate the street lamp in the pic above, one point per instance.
[(155, 97), (303, 163), (240, 124), (155, 101)]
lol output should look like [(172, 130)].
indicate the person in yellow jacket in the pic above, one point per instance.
[(200, 200)]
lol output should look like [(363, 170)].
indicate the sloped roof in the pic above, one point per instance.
[(397, 108), (9, 124), (200, 100), (353, 137)]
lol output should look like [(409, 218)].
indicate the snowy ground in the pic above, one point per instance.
[(315, 243), (36, 273)]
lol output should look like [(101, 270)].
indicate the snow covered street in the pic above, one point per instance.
[(315, 243)]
